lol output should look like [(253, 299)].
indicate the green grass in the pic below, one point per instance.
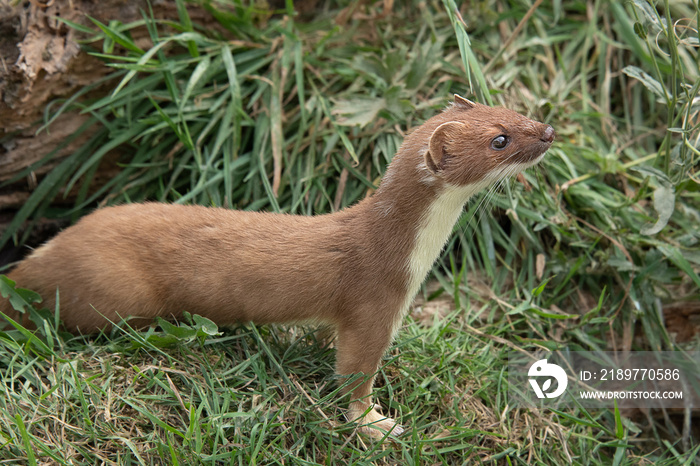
[(302, 117)]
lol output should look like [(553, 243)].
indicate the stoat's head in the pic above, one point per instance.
[(475, 143)]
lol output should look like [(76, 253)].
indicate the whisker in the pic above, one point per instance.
[(485, 200), (513, 155), (507, 171)]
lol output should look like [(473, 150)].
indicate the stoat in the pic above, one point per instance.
[(357, 269)]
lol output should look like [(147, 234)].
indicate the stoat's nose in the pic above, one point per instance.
[(548, 135)]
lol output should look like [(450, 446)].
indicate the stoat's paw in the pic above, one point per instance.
[(374, 424)]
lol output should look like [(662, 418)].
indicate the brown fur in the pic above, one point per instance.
[(348, 269)]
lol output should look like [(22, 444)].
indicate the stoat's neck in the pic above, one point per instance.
[(434, 230), (410, 218)]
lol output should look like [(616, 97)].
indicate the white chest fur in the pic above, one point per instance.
[(437, 223), (433, 232), (439, 219)]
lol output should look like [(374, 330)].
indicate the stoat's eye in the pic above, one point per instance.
[(500, 142)]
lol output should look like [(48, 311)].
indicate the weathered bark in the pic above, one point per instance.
[(41, 61)]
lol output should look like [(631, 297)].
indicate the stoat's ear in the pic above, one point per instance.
[(463, 103), (438, 152)]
